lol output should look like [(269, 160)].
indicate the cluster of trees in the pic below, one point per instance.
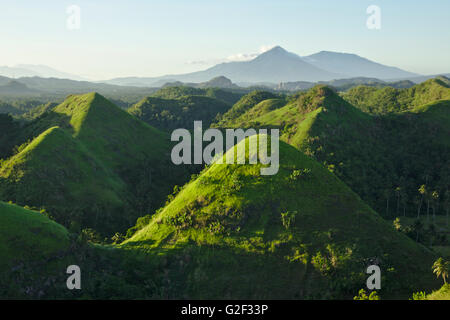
[(398, 165), (8, 129), (19, 106), (171, 114)]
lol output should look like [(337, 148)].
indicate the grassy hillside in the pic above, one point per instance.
[(301, 233), (56, 172), (303, 110), (243, 105), (36, 251), (27, 235), (174, 92), (441, 294), (247, 119), (91, 164)]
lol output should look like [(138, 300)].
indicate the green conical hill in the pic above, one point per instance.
[(91, 164), (300, 233)]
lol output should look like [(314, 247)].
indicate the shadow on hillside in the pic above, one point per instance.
[(148, 242)]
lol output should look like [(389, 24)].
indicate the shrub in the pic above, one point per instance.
[(288, 218), (91, 235), (298, 174), (419, 296), (362, 295)]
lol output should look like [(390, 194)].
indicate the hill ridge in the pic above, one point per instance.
[(303, 217)]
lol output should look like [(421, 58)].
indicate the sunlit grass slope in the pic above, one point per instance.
[(301, 233), (91, 164), (27, 235)]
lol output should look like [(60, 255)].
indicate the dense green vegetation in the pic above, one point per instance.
[(245, 103), (441, 294), (228, 96), (348, 160), (8, 131), (170, 114), (175, 107), (388, 99), (385, 159), (17, 106), (26, 235)]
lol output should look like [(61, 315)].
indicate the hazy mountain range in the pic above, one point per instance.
[(278, 65), (276, 68), (31, 70)]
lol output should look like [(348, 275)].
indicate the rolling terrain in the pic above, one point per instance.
[(100, 191), (370, 153), (90, 164), (298, 234)]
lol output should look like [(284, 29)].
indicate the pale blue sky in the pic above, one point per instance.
[(156, 37)]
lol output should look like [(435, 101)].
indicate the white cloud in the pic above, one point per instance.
[(234, 58), (240, 57), (248, 56)]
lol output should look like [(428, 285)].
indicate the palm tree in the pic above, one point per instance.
[(441, 268)]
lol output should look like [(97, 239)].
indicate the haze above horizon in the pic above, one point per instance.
[(155, 38)]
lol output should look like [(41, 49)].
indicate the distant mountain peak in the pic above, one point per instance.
[(277, 49), (220, 79), (351, 65), (15, 87), (277, 52), (279, 65)]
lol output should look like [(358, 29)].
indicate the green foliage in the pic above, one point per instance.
[(8, 130), (373, 155), (96, 169), (243, 105), (18, 105), (179, 112), (27, 235), (442, 294), (442, 269), (288, 218), (175, 92), (419, 296), (90, 235), (362, 295), (298, 174), (233, 186)]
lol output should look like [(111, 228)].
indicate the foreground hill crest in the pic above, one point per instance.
[(303, 222)]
